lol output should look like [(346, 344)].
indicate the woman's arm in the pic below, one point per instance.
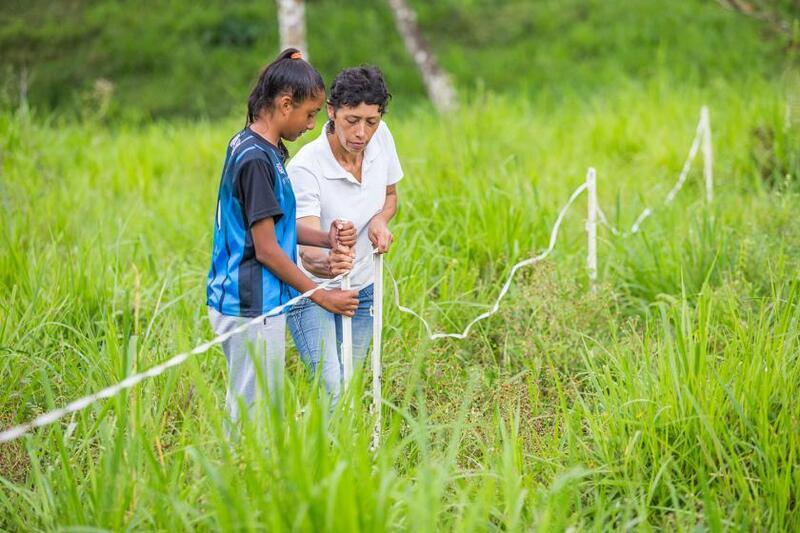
[(378, 230)]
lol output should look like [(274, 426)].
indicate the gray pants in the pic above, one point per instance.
[(255, 359)]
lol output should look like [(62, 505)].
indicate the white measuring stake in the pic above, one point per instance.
[(347, 337), (708, 156), (591, 226), (377, 327), (347, 334)]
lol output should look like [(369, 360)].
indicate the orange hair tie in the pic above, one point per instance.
[(296, 55)]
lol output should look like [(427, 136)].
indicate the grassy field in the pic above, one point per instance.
[(665, 399)]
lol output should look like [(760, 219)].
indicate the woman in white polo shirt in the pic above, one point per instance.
[(349, 172)]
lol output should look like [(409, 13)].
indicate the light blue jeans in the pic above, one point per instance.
[(317, 333)]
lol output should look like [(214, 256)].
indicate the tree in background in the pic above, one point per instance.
[(292, 29), (437, 82), (780, 15), (292, 25)]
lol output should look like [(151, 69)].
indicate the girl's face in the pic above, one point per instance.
[(355, 126), (299, 118)]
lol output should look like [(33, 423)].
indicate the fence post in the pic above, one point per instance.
[(377, 328), (591, 227), (708, 156), (347, 337)]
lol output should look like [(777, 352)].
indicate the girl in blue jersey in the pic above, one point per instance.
[(253, 262)]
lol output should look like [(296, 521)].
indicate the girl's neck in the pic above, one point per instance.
[(266, 129)]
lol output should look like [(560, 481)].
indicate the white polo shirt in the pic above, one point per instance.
[(324, 189)]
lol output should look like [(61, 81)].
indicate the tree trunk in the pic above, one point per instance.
[(437, 82), (292, 25), (772, 17)]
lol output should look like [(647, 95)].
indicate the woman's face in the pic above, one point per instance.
[(301, 117), (355, 126)]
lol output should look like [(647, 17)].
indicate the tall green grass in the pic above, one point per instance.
[(664, 399)]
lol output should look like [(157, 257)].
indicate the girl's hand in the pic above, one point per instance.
[(337, 301)]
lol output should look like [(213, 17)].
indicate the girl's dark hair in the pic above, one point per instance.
[(359, 85), (289, 73)]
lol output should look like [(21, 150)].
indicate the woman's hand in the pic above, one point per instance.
[(340, 260), (342, 232), (379, 235)]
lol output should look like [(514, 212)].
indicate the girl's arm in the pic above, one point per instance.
[(269, 254), (341, 232)]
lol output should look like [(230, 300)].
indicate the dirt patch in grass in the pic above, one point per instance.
[(14, 460)]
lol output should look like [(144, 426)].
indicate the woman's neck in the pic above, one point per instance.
[(342, 155), (264, 127)]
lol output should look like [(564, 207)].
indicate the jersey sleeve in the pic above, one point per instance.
[(255, 187)]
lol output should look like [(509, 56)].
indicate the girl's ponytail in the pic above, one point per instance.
[(289, 74)]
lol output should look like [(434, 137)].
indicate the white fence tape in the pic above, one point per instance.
[(702, 137)]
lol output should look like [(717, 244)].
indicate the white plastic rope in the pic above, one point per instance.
[(112, 390), (702, 135), (506, 285)]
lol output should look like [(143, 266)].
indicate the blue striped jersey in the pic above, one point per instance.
[(254, 185)]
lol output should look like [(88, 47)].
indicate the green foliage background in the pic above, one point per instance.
[(190, 60)]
